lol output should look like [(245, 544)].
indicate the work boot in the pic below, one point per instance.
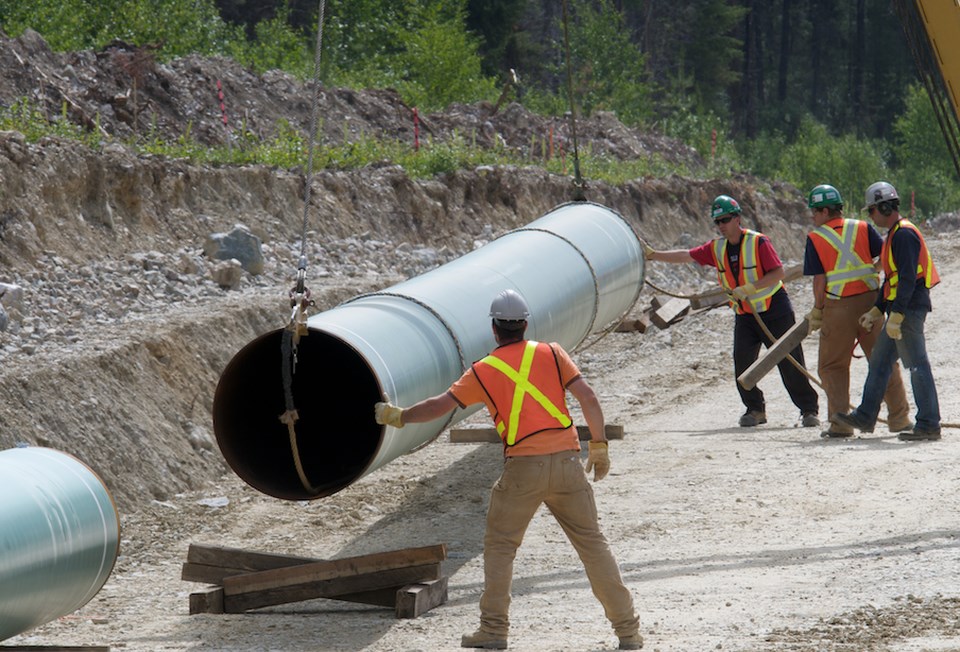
[(484, 640), (834, 432), (752, 418), (920, 434), (852, 420), (900, 427), (810, 420), (631, 642)]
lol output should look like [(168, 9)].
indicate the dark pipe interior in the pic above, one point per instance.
[(334, 391)]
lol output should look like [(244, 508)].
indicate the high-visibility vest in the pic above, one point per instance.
[(846, 257), (925, 268), (524, 384), (750, 272)]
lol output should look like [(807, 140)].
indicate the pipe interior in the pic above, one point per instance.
[(334, 390)]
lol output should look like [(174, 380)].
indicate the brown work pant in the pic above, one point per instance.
[(559, 482), (838, 336)]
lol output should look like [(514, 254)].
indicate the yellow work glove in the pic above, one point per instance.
[(647, 250), (893, 325), (598, 460), (744, 291), (815, 318), (388, 414), (868, 319)]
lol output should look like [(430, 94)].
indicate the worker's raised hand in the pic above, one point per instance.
[(893, 325), (744, 291), (598, 460), (869, 319), (815, 318), (388, 414)]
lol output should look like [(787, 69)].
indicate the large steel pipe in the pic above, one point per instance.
[(580, 267), (59, 537)]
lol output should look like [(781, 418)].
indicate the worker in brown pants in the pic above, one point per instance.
[(523, 384), (839, 255)]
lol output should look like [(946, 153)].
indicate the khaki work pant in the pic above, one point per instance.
[(838, 336), (559, 482)]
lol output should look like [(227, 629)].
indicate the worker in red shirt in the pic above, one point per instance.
[(523, 383), (749, 269)]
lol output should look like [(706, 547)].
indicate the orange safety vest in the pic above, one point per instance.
[(845, 257), (524, 385), (925, 268), (750, 272)]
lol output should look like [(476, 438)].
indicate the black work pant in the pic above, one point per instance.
[(747, 338)]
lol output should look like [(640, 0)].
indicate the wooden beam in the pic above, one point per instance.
[(416, 599), (773, 355), (208, 601), (490, 435), (239, 558), (639, 325), (237, 599), (670, 312), (717, 295)]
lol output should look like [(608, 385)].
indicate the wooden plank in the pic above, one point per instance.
[(239, 602), (419, 598), (717, 295), (639, 325), (490, 436), (54, 648), (208, 574), (208, 601), (320, 571), (670, 312), (239, 558), (773, 355)]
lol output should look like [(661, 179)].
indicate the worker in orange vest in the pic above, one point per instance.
[(840, 256), (908, 276), (523, 383), (750, 271)]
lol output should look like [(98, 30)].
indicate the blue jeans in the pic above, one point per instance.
[(912, 351)]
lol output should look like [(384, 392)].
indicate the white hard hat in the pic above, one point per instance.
[(509, 306), (879, 192)]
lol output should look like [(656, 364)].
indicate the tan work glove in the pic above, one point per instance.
[(388, 414), (598, 460), (893, 325), (744, 291), (868, 319), (815, 318), (647, 250)]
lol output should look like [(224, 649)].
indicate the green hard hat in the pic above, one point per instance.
[(724, 205), (823, 196)]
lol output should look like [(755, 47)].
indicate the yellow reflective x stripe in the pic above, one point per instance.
[(521, 379)]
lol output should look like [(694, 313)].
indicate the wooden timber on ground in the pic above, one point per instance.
[(773, 355), (54, 648), (491, 436), (408, 580)]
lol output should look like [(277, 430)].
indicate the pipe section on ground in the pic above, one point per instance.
[(59, 537), (580, 267)]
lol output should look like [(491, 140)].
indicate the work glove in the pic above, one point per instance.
[(647, 250), (741, 292), (598, 460), (893, 325), (388, 414), (815, 318), (868, 319)]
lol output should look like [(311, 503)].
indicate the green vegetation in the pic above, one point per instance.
[(744, 85)]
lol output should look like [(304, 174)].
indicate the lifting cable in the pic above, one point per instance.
[(300, 299), (578, 184)]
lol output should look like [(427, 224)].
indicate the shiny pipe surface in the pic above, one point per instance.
[(59, 537), (580, 267)]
